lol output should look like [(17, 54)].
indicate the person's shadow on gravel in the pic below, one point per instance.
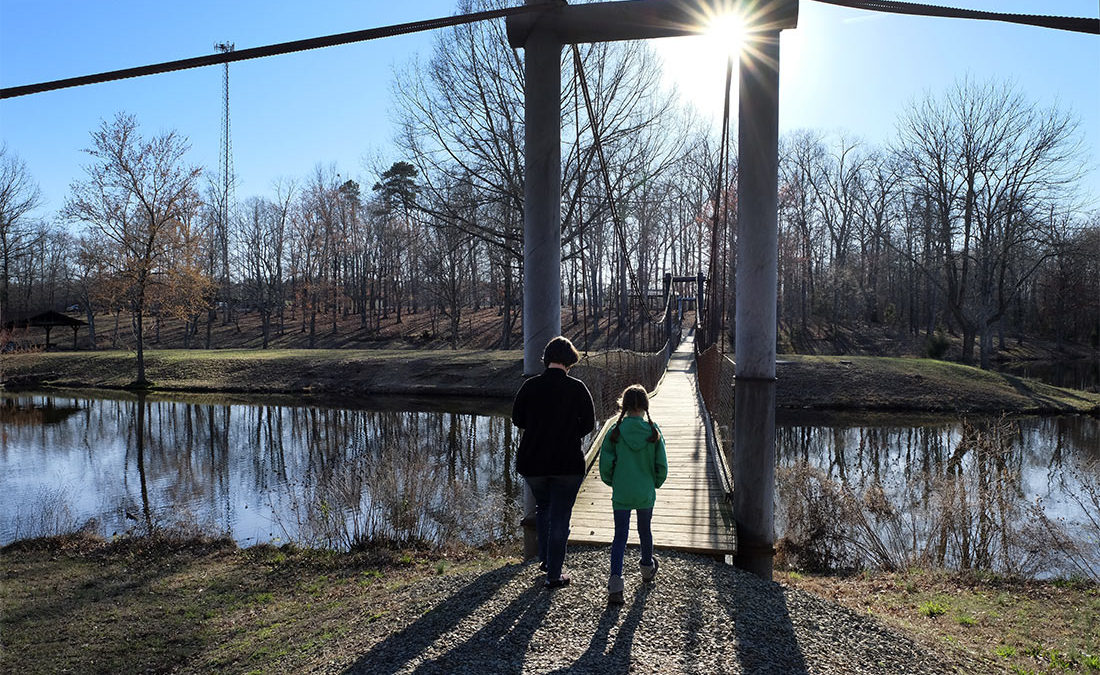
[(400, 649), (499, 645), (597, 658)]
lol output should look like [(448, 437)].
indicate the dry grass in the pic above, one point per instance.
[(822, 382), (297, 371), (888, 383), (77, 604), (1011, 626)]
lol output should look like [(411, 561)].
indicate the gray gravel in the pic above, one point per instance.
[(699, 616)]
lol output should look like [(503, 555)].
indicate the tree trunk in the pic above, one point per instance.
[(968, 344), (140, 319), (506, 336), (91, 326), (265, 318), (985, 350), (313, 323)]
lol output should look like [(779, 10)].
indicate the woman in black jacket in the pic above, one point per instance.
[(555, 412)]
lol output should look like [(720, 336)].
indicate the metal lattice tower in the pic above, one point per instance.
[(225, 183)]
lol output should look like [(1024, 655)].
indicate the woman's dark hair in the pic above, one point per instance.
[(560, 350), (634, 399)]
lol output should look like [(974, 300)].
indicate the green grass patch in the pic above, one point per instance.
[(933, 608)]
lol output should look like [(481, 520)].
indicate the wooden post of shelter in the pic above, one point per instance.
[(542, 34)]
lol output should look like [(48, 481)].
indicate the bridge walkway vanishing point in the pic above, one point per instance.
[(691, 513)]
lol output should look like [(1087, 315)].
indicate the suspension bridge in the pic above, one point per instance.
[(541, 28), (692, 512)]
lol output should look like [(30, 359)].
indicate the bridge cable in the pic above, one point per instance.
[(1076, 24), (269, 50), (604, 172), (1067, 23), (720, 189)]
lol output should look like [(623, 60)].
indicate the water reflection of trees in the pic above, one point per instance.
[(1015, 496), (315, 475), (404, 478)]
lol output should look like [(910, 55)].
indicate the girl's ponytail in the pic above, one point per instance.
[(654, 435), (615, 432)]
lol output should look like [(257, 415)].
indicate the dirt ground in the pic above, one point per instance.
[(79, 604)]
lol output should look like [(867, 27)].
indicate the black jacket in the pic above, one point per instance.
[(555, 412)]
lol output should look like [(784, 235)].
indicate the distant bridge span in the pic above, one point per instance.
[(693, 512)]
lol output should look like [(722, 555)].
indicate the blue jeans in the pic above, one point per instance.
[(622, 530), (554, 498)]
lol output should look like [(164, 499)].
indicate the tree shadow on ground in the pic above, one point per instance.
[(103, 592), (766, 642), (1045, 402), (400, 649)]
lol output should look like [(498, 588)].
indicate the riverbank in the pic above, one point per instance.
[(79, 604), (804, 382)]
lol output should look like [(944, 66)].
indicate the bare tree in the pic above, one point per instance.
[(19, 196), (138, 198), (461, 121), (990, 163), (263, 240)]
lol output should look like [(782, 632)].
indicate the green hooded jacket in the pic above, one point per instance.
[(634, 466)]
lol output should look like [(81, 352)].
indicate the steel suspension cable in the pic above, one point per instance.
[(578, 68), (269, 50), (720, 190), (1075, 24), (1068, 23)]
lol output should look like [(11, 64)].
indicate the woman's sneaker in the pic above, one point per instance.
[(615, 590), (649, 571)]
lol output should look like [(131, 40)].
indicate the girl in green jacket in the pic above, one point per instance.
[(633, 463)]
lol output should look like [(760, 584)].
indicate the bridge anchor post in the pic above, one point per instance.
[(753, 463)]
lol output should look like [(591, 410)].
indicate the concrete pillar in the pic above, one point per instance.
[(541, 196), (757, 256), (541, 217)]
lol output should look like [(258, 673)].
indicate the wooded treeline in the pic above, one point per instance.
[(973, 221)]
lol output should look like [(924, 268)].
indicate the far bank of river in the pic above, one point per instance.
[(339, 375)]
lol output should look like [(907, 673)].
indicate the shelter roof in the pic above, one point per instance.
[(48, 318)]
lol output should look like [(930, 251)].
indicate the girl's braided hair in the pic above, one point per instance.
[(634, 399)]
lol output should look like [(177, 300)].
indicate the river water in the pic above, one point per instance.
[(406, 471)]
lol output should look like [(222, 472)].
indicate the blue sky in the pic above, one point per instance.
[(843, 69)]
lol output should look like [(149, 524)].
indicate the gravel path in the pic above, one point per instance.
[(699, 616)]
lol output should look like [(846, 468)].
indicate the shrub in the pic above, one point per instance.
[(936, 345)]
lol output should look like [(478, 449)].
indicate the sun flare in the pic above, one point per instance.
[(696, 65), (727, 33)]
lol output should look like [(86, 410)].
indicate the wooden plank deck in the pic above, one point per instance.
[(691, 513)]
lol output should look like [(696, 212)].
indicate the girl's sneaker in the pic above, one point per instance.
[(615, 590), (649, 571)]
